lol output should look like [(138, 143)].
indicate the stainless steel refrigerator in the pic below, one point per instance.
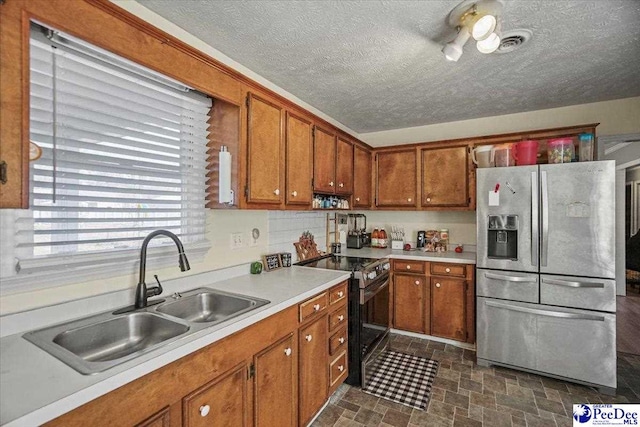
[(546, 270)]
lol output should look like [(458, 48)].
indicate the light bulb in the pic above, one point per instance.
[(490, 44), (453, 50), (483, 27)]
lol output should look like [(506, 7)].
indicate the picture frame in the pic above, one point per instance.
[(271, 262)]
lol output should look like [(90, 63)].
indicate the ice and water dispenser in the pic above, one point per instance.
[(503, 237)]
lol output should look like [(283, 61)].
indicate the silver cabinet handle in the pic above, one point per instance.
[(510, 278), (204, 410), (287, 351), (534, 219), (544, 251), (547, 313), (308, 338), (573, 284)]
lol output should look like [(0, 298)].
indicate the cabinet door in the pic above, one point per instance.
[(222, 402), (264, 142), (409, 302), (159, 419), (396, 178), (314, 371), (448, 308), (445, 177), (275, 384), (299, 161), (344, 167), (361, 178), (324, 161)]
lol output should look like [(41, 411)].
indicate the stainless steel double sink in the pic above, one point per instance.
[(96, 343)]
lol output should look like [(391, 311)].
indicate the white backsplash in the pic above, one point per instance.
[(285, 228)]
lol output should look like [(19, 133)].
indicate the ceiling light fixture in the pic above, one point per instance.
[(478, 19)]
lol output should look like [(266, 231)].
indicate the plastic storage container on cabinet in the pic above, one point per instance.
[(526, 152), (482, 156), (560, 150), (504, 155)]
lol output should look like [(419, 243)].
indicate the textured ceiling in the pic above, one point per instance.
[(377, 65)]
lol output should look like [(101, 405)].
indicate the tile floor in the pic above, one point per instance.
[(465, 394)]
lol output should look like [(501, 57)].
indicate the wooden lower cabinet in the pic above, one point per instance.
[(312, 375), (448, 308), (275, 384), (222, 402), (160, 419), (409, 302)]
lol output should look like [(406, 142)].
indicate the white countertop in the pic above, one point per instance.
[(414, 255), (35, 387)]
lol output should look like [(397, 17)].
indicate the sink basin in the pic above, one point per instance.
[(210, 306), (94, 344)]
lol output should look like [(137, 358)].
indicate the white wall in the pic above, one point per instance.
[(285, 228), (616, 117)]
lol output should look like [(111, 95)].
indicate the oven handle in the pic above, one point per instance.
[(372, 290)]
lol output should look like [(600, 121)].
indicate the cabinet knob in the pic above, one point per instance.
[(340, 294), (341, 340), (340, 318), (331, 184), (341, 185), (294, 194), (276, 191), (448, 270), (341, 368), (287, 351), (437, 285), (316, 307), (408, 267), (428, 199), (357, 199), (204, 410), (308, 338), (417, 282), (409, 199)]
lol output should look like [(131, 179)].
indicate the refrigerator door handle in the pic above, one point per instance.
[(534, 219), (573, 284), (545, 219), (510, 278), (548, 313)]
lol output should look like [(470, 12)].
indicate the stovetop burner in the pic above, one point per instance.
[(338, 262)]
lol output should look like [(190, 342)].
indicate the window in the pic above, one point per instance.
[(123, 154)]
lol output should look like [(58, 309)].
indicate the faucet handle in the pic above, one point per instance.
[(156, 290)]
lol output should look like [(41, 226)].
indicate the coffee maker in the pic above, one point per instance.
[(357, 236)]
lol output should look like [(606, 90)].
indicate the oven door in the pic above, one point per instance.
[(374, 333)]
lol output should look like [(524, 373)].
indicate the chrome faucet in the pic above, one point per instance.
[(142, 292)]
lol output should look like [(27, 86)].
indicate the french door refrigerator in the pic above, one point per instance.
[(546, 270)]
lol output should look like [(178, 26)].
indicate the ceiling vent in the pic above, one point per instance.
[(514, 40)]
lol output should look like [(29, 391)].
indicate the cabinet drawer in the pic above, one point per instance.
[(412, 266), (590, 294), (338, 293), (312, 306), (338, 342), (337, 318), (508, 285), (338, 368), (441, 269)]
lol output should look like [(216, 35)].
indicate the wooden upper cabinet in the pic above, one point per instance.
[(445, 177), (298, 160), (264, 160), (396, 178), (275, 384), (361, 177), (344, 166), (324, 161), (222, 402)]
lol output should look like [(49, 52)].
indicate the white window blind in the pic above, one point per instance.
[(122, 155)]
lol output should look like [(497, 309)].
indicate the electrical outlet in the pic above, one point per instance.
[(237, 241)]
